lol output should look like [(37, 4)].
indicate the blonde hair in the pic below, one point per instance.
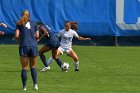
[(24, 18)]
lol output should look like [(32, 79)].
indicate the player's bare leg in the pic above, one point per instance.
[(73, 55)]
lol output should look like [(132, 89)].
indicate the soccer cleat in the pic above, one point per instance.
[(24, 89), (45, 69), (35, 87), (76, 69)]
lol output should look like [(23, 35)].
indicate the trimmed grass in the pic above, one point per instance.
[(102, 70)]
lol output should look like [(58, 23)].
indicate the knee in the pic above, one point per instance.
[(25, 67), (54, 57), (40, 53), (32, 66)]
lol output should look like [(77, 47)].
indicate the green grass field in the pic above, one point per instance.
[(102, 70)]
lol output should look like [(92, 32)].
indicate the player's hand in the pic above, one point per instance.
[(3, 24), (88, 38), (1, 33), (38, 40)]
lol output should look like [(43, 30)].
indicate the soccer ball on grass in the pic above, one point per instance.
[(65, 66)]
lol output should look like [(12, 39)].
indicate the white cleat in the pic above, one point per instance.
[(24, 89), (35, 87), (45, 69)]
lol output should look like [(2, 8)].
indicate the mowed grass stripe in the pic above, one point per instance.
[(102, 70)]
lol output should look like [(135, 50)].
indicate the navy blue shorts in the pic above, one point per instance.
[(28, 51)]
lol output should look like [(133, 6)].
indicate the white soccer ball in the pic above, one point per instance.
[(65, 66)]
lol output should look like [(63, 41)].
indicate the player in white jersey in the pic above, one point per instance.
[(66, 35)]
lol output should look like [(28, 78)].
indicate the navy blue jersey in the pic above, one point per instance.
[(51, 37), (27, 33)]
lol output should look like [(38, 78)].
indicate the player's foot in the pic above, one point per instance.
[(24, 89), (76, 69), (45, 69), (35, 87)]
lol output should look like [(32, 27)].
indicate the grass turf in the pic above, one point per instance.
[(102, 70)]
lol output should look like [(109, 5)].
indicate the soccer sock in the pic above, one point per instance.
[(50, 60), (34, 75), (76, 65), (43, 58), (59, 62), (24, 77)]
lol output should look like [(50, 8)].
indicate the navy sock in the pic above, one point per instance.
[(59, 62), (24, 77), (34, 75), (43, 58)]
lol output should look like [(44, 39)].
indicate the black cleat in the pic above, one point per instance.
[(76, 69)]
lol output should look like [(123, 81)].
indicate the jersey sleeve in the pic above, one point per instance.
[(75, 34), (59, 33), (17, 27)]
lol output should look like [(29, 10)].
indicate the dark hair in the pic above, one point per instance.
[(74, 26), (67, 21), (40, 23)]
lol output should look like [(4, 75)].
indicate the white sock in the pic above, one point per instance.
[(76, 65), (50, 60)]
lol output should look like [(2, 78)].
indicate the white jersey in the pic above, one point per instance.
[(66, 37)]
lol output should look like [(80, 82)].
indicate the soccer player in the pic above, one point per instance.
[(26, 34), (52, 43), (66, 35), (3, 25)]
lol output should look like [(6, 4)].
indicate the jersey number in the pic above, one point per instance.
[(28, 26)]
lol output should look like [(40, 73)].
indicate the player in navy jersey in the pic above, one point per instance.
[(66, 35), (52, 43), (3, 25), (26, 34)]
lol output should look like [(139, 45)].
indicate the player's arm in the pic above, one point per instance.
[(79, 37), (3, 25), (59, 35), (45, 32), (17, 33), (37, 34), (82, 38)]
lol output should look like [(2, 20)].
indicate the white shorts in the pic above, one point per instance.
[(66, 50)]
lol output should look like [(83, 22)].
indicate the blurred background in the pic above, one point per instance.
[(107, 22)]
